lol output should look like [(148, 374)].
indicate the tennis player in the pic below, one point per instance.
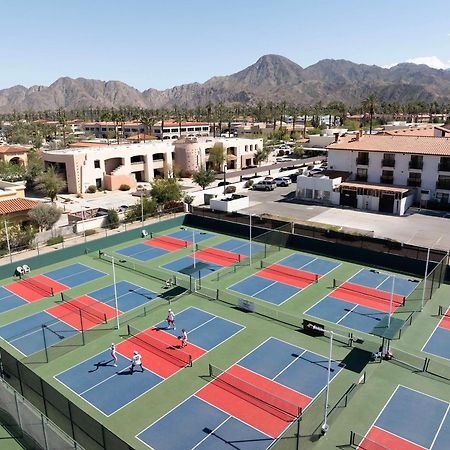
[(136, 360), (112, 350), (171, 319), (184, 338)]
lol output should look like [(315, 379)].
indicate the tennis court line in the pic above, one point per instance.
[(212, 431), (440, 426), (345, 315), (430, 336), (289, 365), (106, 379)]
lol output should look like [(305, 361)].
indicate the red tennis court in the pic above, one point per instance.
[(161, 352), (366, 296), (379, 439), (36, 288), (167, 243), (217, 256), (83, 313), (287, 275), (249, 403)]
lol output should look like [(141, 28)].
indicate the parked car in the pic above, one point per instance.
[(283, 181), (315, 171), (265, 185), (223, 183)]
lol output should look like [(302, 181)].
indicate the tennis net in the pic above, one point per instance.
[(262, 398), (369, 293), (37, 286), (290, 272), (88, 310), (219, 254), (169, 241), (171, 353), (364, 443)]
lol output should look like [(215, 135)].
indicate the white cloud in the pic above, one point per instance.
[(431, 61), (388, 66)]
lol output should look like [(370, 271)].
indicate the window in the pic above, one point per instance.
[(414, 179), (388, 160), (363, 158), (198, 129), (416, 162), (205, 128), (183, 129), (98, 182), (174, 130), (190, 129), (97, 164), (361, 175), (443, 182), (387, 176), (444, 164)]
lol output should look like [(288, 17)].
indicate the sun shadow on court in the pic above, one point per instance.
[(357, 360), (102, 364), (234, 444)]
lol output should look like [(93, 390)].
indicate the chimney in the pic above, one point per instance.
[(357, 136), (336, 138)]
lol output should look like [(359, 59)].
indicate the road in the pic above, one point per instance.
[(418, 229)]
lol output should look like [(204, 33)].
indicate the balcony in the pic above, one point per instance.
[(414, 182), (387, 180), (362, 161), (443, 184), (444, 167), (388, 163), (416, 164), (361, 178)]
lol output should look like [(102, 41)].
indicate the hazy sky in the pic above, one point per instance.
[(157, 44)]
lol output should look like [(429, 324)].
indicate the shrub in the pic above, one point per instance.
[(90, 232), (112, 219), (55, 240), (91, 189), (230, 189), (248, 184), (124, 187)]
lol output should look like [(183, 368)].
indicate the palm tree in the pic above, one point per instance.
[(369, 105), (50, 183)]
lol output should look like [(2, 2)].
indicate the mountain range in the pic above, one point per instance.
[(272, 78)]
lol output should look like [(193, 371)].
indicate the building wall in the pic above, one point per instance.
[(346, 160)]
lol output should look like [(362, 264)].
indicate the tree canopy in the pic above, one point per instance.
[(204, 177)]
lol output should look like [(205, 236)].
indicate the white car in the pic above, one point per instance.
[(282, 181)]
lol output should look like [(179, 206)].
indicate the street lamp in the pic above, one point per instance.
[(425, 279), (250, 237)]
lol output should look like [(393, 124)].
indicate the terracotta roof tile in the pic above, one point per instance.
[(12, 149), (16, 205), (417, 145)]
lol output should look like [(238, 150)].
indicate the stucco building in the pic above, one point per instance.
[(110, 166)]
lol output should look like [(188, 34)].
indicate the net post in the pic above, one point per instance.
[(217, 294), (334, 283), (190, 361), (352, 438), (128, 330), (82, 326), (62, 296), (316, 278), (440, 310), (105, 319), (261, 264), (52, 291), (43, 326), (210, 371), (404, 301)]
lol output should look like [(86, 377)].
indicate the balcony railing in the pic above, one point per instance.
[(414, 182), (443, 184), (416, 164), (444, 167), (362, 161), (388, 163), (361, 178), (387, 180)]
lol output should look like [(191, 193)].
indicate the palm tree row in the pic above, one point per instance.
[(221, 115)]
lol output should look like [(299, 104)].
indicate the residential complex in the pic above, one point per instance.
[(110, 166)]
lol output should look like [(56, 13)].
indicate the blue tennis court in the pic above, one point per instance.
[(108, 388), (129, 295), (186, 235), (308, 263), (8, 300), (211, 420), (438, 343), (240, 247), (411, 420), (142, 252), (29, 335), (74, 274), (265, 289), (188, 261)]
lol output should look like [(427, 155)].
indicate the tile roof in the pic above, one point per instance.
[(172, 123), (12, 149), (16, 205), (417, 145), (376, 187)]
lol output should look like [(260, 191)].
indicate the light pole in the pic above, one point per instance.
[(193, 245), (142, 208), (116, 300), (7, 241), (84, 224), (391, 301), (425, 280), (224, 178), (250, 236)]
